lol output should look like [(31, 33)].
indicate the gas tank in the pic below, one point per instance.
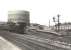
[(18, 17)]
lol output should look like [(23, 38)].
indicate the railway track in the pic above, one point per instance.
[(31, 42)]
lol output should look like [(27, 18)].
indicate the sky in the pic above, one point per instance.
[(41, 11)]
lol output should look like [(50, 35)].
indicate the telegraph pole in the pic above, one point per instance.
[(58, 22), (55, 22), (49, 23)]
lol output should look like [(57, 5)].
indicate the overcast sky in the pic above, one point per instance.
[(41, 11)]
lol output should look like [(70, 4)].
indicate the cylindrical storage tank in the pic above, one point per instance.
[(20, 18)]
